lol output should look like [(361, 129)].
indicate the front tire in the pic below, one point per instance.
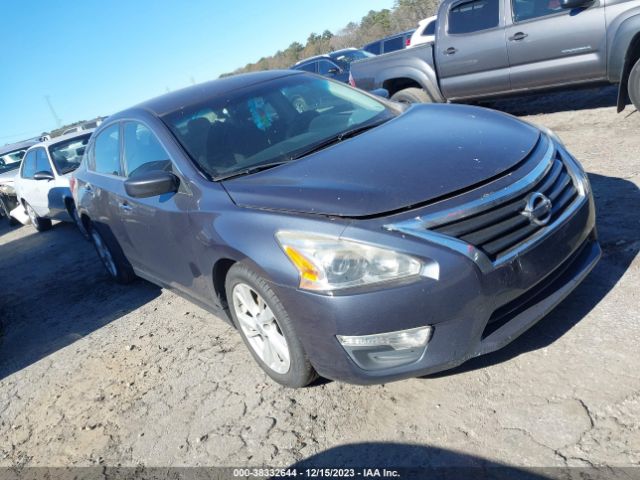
[(111, 255), (633, 85), (411, 95), (266, 328), (41, 224)]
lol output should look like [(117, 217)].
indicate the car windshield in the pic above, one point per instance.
[(67, 155), (272, 122), (345, 58), (11, 160)]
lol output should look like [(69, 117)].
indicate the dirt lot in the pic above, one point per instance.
[(95, 373)]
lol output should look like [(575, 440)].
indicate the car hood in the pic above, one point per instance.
[(8, 177), (428, 152)]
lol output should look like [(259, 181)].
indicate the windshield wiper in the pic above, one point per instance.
[(248, 171), (338, 138)]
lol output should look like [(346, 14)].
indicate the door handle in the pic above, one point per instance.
[(518, 36), (125, 207), (450, 51), (87, 188)]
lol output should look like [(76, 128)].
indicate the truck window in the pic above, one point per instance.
[(473, 16), (528, 9), (430, 29), (373, 48), (393, 44), (308, 67)]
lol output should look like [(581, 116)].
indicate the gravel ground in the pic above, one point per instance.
[(96, 373)]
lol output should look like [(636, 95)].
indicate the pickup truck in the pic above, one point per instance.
[(494, 48)]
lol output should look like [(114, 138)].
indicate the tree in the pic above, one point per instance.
[(376, 24)]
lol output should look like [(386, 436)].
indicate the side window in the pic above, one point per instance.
[(42, 162), (393, 44), (528, 9), (106, 153), (308, 67), (474, 16), (29, 165), (430, 29), (373, 48), (142, 150), (324, 66)]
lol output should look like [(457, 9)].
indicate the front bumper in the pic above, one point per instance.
[(472, 312)]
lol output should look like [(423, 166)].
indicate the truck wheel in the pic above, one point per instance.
[(411, 95), (633, 87)]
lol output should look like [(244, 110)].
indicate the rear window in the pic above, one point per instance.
[(373, 48), (107, 151), (473, 16), (308, 67), (393, 44), (67, 155), (430, 29), (11, 160)]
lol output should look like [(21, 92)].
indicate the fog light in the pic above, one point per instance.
[(386, 350)]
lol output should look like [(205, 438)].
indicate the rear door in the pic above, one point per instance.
[(471, 50), (549, 45), (101, 183)]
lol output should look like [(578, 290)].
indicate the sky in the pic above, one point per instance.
[(96, 57)]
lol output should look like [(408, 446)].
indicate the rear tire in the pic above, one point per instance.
[(411, 95), (41, 224), (73, 213), (111, 255), (633, 85), (266, 328)]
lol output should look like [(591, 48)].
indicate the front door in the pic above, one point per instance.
[(470, 50), (156, 238), (40, 189), (550, 46)]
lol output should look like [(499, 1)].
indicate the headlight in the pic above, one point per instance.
[(329, 263), (7, 189)]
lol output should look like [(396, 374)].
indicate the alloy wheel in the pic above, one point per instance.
[(104, 253), (261, 328)]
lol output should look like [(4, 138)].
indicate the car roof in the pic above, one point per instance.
[(330, 55), (17, 146), (400, 34), (185, 97), (63, 138)]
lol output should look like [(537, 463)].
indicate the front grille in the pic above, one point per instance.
[(501, 228)]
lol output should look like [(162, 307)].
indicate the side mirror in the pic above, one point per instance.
[(43, 176), (151, 184), (570, 4), (380, 92), (333, 71)]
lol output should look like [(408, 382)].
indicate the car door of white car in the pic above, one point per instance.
[(39, 194), (24, 182)]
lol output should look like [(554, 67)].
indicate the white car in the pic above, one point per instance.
[(42, 184), (425, 33)]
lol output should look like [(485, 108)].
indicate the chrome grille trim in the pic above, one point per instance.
[(419, 226)]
